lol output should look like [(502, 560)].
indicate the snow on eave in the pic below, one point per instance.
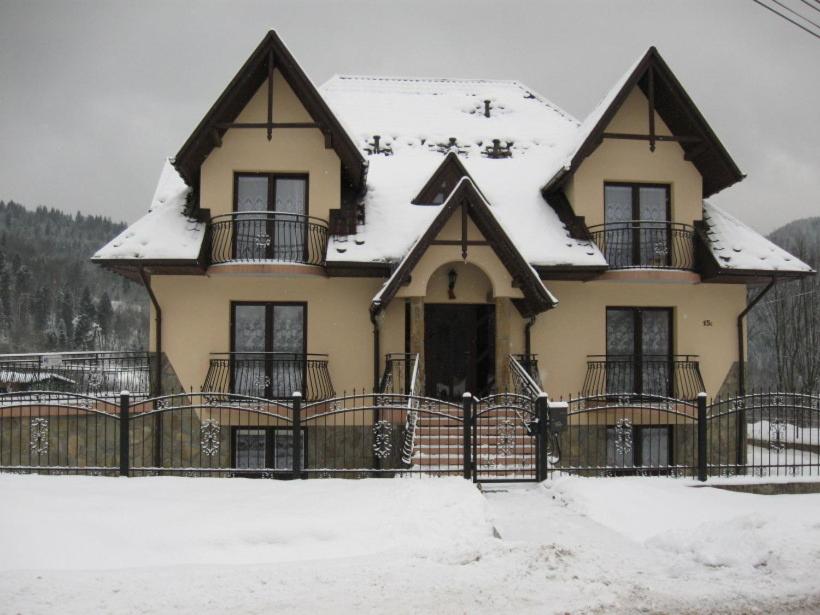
[(164, 233), (736, 246)]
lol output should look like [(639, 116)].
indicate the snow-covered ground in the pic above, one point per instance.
[(84, 544)]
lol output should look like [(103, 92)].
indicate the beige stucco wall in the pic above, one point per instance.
[(196, 312), (196, 317), (562, 338), (437, 258), (617, 160), (291, 150)]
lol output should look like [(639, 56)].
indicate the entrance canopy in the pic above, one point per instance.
[(475, 212)]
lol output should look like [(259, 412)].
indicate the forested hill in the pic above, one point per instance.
[(52, 297), (784, 328)]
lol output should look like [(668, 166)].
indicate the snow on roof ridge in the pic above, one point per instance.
[(454, 81)]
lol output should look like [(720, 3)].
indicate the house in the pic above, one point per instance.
[(302, 238)]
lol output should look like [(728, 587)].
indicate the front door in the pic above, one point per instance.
[(459, 350)]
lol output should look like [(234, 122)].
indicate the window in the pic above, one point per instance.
[(274, 216), (638, 230), (639, 350), (266, 447), (268, 342), (640, 446)]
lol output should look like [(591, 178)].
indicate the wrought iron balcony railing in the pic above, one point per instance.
[(267, 236), (99, 373), (270, 375), (643, 244), (675, 376)]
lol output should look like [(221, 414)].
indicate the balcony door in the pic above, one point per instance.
[(639, 350), (637, 231), (268, 342), (271, 220)]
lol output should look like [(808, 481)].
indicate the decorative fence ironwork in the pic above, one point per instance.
[(504, 437), (97, 373), (646, 244), (654, 375), (633, 435), (269, 375), (261, 236), (765, 434)]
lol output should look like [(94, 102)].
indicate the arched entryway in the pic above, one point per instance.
[(459, 332)]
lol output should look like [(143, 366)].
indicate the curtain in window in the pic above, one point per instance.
[(289, 235), (618, 233), (252, 238)]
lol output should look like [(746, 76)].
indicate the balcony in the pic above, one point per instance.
[(270, 375), (267, 237), (675, 376), (642, 244)]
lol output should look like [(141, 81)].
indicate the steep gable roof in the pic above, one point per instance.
[(270, 54), (466, 194), (699, 142)]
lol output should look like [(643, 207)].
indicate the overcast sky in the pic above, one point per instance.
[(94, 95)]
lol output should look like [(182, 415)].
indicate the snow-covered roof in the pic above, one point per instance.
[(734, 245), (164, 233), (415, 120), (27, 377)]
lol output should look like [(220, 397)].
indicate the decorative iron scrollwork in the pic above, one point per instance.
[(382, 439), (209, 432), (623, 436), (262, 240), (506, 438), (777, 434), (39, 436)]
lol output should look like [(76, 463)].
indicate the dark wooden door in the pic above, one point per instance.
[(459, 350)]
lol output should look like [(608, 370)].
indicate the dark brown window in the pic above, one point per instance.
[(637, 221), (268, 343), (639, 350), (257, 448), (274, 216)]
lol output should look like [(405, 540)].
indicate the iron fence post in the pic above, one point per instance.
[(125, 462), (541, 418), (467, 414), (297, 434), (702, 438)]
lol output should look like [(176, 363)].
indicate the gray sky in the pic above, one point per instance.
[(94, 95)]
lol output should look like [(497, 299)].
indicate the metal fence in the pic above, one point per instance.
[(503, 437), (96, 373)]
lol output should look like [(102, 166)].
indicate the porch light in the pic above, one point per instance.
[(452, 276)]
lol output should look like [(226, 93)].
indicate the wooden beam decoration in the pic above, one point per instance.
[(328, 138), (464, 231), (217, 138), (657, 137), (270, 94), (651, 108)]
